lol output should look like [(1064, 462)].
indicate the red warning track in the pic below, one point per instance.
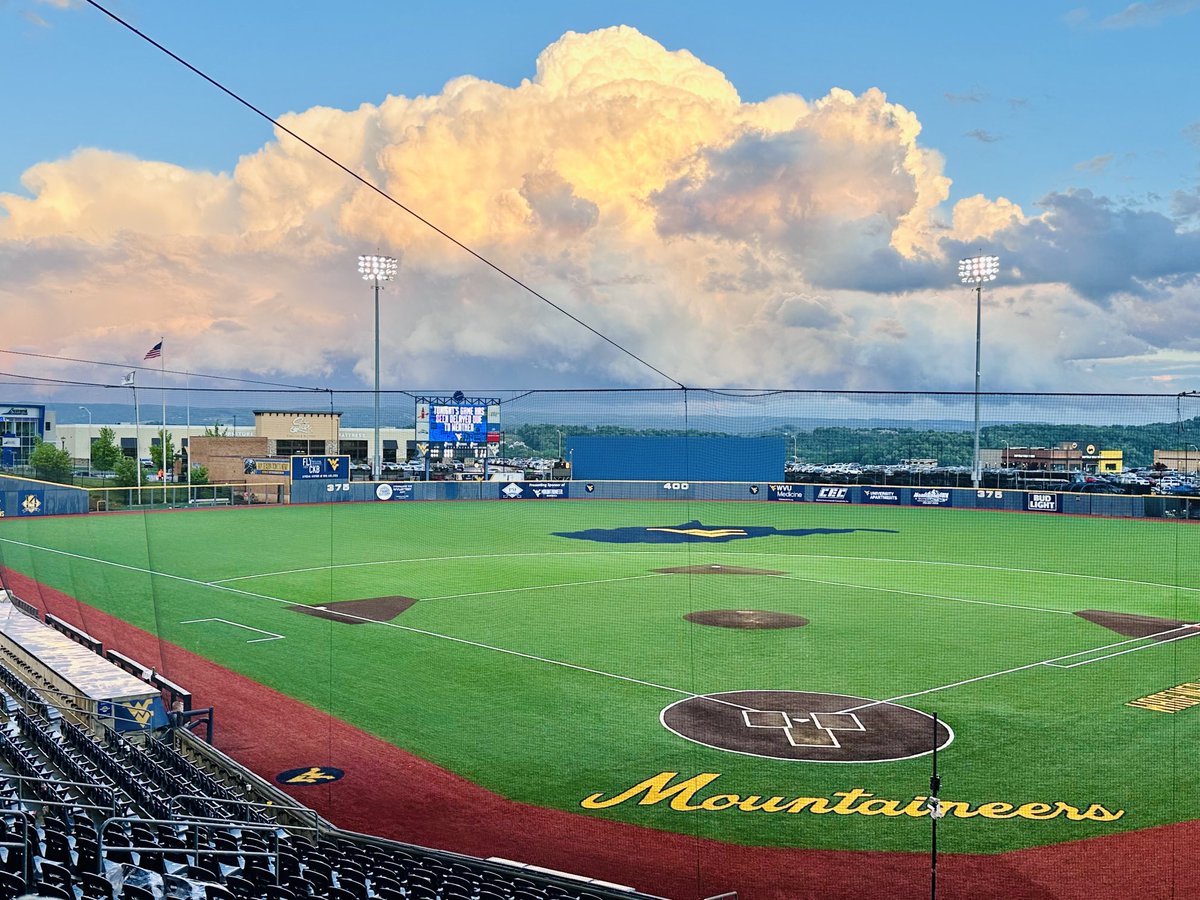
[(393, 794)]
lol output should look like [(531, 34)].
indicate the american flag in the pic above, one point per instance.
[(154, 352)]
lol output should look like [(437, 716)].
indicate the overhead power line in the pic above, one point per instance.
[(128, 368), (378, 190)]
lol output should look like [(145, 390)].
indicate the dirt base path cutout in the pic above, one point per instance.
[(357, 612), (805, 726), (1135, 626)]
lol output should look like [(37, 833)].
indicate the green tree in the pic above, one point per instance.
[(125, 472), (156, 452), (199, 475), (49, 463), (105, 451), (216, 430)]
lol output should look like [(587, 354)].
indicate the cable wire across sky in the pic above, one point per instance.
[(366, 182)]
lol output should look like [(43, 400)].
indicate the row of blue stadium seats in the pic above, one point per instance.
[(103, 825)]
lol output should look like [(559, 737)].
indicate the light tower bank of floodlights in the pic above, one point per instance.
[(377, 270), (457, 420), (976, 270)]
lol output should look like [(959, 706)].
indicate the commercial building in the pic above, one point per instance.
[(274, 434)]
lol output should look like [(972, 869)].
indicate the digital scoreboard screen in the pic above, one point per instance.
[(456, 423)]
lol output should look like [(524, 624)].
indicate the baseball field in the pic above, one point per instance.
[(763, 675)]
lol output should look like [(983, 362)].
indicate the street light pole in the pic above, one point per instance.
[(377, 269), (89, 440), (976, 270)]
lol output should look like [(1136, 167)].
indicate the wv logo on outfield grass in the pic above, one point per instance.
[(697, 532)]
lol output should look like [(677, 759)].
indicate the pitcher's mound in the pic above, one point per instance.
[(745, 618), (355, 612)]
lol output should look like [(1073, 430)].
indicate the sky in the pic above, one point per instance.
[(761, 195)]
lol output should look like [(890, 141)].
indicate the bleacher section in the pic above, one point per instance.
[(88, 812)]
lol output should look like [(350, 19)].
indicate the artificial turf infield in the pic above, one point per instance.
[(538, 666)]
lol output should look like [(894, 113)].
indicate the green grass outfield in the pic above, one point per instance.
[(537, 665)]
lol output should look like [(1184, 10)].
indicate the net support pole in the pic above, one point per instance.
[(935, 811)]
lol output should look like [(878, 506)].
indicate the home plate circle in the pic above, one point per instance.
[(805, 726)]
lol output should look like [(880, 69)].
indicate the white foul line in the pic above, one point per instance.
[(273, 637), (408, 628), (886, 590), (1045, 662)]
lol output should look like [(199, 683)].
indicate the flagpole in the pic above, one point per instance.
[(137, 434), (163, 390)]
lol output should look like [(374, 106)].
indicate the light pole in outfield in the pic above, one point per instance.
[(377, 269), (89, 440), (976, 270)]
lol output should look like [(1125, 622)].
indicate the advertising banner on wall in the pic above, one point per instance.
[(280, 466), (793, 492), (534, 490), (831, 494), (1041, 502), (889, 496), (402, 490), (932, 497), (320, 468)]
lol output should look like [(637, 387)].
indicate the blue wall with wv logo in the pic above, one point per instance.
[(610, 458)]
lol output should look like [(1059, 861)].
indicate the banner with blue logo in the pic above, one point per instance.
[(320, 468), (832, 494), (139, 715), (31, 503), (793, 492), (890, 496), (402, 490), (932, 497), (535, 490)]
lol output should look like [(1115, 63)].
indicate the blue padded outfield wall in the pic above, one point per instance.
[(605, 458), (27, 497), (769, 492)]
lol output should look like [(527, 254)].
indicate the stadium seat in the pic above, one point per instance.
[(95, 887)]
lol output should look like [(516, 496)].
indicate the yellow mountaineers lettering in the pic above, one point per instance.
[(333, 462), (1172, 700), (703, 532), (681, 796)]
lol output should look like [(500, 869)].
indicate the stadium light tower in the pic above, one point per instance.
[(89, 412), (976, 270), (377, 269)]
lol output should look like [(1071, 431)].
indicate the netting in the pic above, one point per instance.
[(690, 641)]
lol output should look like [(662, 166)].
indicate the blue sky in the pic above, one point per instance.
[(1082, 118)]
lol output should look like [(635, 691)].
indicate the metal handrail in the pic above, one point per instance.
[(272, 830), (316, 826)]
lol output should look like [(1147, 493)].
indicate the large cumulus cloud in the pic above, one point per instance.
[(785, 243)]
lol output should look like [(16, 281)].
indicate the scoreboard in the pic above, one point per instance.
[(462, 422)]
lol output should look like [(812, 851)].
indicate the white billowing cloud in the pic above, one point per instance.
[(784, 243), (1152, 12), (95, 195)]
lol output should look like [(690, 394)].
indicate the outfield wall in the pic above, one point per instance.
[(953, 498), (28, 497), (692, 458)]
